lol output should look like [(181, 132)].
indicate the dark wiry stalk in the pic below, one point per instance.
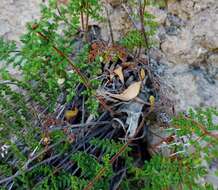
[(117, 155), (141, 14)]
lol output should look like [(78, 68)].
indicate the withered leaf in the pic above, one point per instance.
[(152, 102), (46, 140), (129, 65), (130, 93), (119, 72), (142, 74), (69, 114)]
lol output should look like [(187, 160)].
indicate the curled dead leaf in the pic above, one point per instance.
[(142, 74), (46, 140), (152, 102), (69, 114), (130, 65), (119, 72), (130, 93)]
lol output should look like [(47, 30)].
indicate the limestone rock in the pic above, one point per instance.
[(160, 14), (183, 84), (204, 28), (197, 37), (14, 16), (186, 9), (177, 48), (115, 2)]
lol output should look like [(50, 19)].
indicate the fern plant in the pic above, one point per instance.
[(195, 141), (50, 177), (158, 173), (43, 69), (43, 61)]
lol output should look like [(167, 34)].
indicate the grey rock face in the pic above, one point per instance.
[(115, 2), (189, 47), (196, 39), (14, 16)]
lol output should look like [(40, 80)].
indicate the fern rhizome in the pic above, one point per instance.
[(81, 114)]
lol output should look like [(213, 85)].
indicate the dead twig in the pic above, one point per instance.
[(122, 149)]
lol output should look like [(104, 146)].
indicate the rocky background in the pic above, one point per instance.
[(188, 39), (186, 53), (14, 14)]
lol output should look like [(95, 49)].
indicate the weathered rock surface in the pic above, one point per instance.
[(189, 47), (14, 16), (188, 41), (115, 2), (198, 32), (120, 23)]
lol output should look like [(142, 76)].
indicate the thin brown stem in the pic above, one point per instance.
[(141, 14), (117, 155), (87, 27), (83, 77), (82, 20), (203, 128)]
